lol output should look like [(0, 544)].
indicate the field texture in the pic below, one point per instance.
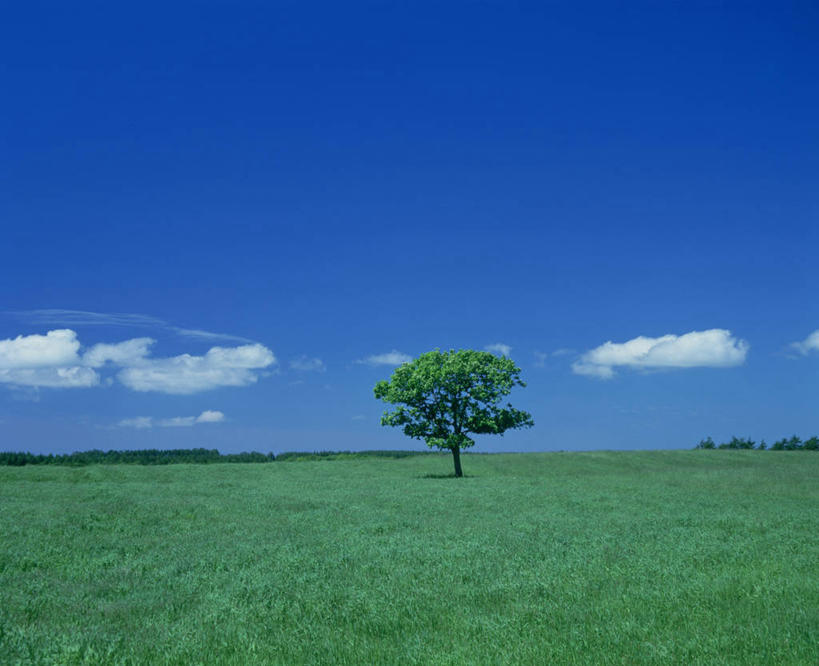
[(632, 557)]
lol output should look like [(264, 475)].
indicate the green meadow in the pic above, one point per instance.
[(688, 557)]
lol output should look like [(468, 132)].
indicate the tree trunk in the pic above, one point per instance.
[(456, 456)]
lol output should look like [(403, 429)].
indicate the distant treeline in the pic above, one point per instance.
[(784, 444), (177, 456)]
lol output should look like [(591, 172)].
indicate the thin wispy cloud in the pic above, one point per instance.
[(54, 316), (714, 348), (142, 422), (138, 422), (541, 357), (307, 364), (499, 348), (393, 357), (207, 335), (131, 320)]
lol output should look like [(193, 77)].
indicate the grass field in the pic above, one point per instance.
[(611, 557)]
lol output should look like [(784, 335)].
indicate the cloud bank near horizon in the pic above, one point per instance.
[(713, 348), (141, 422)]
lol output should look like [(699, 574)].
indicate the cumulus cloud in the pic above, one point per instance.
[(220, 366), (122, 353), (499, 348), (394, 357), (714, 348), (53, 360), (208, 416), (306, 364), (49, 360), (55, 348), (808, 345)]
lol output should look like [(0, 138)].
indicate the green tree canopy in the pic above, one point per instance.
[(443, 397)]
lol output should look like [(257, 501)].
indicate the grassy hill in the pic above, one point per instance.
[(606, 557)]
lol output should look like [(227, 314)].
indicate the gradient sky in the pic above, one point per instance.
[(321, 190)]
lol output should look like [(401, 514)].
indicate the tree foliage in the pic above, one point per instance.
[(443, 397)]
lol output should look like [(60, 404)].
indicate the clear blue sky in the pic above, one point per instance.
[(325, 184)]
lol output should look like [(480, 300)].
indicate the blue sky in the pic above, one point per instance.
[(318, 189)]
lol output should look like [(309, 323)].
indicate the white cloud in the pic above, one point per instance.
[(220, 366), (53, 360), (208, 416), (714, 348), (394, 357), (305, 364), (129, 352), (808, 345), (592, 370), (55, 348), (49, 360), (499, 348)]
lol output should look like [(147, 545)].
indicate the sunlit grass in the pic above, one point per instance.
[(649, 557)]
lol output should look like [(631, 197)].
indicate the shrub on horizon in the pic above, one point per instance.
[(793, 443), (738, 443)]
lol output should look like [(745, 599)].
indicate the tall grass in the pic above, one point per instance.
[(629, 557)]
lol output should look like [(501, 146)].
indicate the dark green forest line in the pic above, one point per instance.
[(205, 456), (793, 443), (178, 456)]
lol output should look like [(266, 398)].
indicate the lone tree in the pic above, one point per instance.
[(445, 396)]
